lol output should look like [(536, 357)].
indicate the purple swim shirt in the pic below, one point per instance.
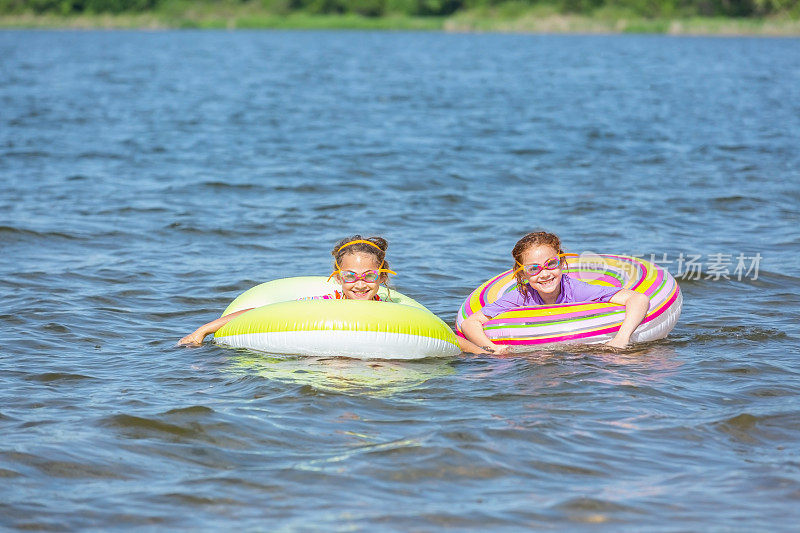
[(572, 291)]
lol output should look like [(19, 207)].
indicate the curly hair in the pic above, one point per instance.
[(536, 238)]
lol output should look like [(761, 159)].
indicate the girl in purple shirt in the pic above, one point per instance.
[(538, 263)]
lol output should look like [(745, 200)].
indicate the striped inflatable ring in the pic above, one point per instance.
[(279, 323), (587, 323)]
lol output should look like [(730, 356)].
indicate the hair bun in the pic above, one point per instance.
[(380, 242)]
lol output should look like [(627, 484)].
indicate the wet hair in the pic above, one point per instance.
[(536, 238), (378, 251)]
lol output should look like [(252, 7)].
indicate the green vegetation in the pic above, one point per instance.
[(774, 17)]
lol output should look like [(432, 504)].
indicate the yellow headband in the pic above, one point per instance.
[(356, 242)]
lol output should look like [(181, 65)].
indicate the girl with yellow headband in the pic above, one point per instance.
[(360, 267)]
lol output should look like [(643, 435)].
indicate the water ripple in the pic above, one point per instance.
[(150, 178)]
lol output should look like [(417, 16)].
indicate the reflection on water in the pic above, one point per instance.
[(343, 375)]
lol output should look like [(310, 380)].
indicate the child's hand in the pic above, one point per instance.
[(496, 349), (193, 339), (617, 342)]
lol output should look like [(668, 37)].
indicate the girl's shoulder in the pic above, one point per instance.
[(335, 295), (510, 300)]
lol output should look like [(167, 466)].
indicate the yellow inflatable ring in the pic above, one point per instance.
[(280, 322)]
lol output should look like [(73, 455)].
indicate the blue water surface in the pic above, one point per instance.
[(149, 178)]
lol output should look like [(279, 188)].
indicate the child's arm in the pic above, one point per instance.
[(472, 327), (636, 307), (469, 346), (196, 338)]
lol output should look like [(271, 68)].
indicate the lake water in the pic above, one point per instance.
[(149, 178)]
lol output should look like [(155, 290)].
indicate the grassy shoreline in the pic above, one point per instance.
[(531, 21)]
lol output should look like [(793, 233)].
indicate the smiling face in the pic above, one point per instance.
[(359, 263), (547, 282)]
